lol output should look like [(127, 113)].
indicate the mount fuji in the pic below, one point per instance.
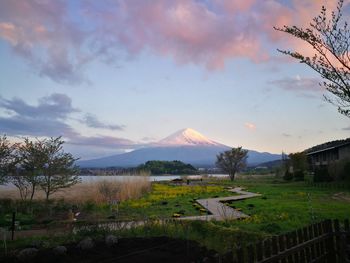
[(186, 145)]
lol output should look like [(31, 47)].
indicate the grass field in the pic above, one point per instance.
[(166, 200), (285, 206)]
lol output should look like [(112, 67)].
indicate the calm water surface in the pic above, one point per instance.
[(153, 178)]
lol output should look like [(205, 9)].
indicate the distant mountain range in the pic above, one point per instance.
[(187, 145)]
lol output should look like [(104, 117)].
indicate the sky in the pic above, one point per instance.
[(115, 75)]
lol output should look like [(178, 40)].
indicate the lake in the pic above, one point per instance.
[(152, 178)]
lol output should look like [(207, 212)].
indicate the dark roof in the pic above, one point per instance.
[(328, 149), (327, 145)]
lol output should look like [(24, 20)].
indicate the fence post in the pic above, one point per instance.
[(282, 246), (347, 237), (274, 245), (308, 249), (317, 244), (267, 248), (338, 244), (240, 255), (312, 247), (289, 240), (259, 251), (301, 240), (321, 243), (13, 225), (251, 254), (294, 243), (342, 245), (328, 226)]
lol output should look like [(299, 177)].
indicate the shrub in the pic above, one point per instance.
[(271, 228), (89, 206), (288, 176), (322, 175), (299, 175), (109, 190), (346, 172)]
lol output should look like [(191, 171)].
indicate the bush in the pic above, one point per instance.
[(322, 175), (346, 172), (288, 176), (108, 190), (299, 175), (271, 228)]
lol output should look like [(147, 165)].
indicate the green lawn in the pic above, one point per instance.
[(287, 206)]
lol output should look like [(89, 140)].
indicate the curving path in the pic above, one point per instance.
[(220, 211)]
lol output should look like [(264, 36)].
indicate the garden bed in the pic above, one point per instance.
[(158, 249)]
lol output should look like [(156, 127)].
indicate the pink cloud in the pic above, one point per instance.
[(250, 126), (59, 41), (188, 31), (40, 33)]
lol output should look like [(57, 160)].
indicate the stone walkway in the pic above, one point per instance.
[(220, 211)]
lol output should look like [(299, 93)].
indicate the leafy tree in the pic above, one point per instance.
[(232, 161), (298, 161), (58, 170), (330, 39), (167, 167), (7, 158)]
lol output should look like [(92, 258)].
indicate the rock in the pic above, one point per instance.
[(111, 240), (27, 254), (37, 244), (86, 244), (60, 250)]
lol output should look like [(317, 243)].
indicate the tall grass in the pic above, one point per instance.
[(96, 192)]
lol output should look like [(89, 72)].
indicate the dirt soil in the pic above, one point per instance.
[(160, 249), (341, 196)]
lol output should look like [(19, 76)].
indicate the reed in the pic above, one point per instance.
[(96, 192)]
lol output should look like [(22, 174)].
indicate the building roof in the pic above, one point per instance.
[(329, 148)]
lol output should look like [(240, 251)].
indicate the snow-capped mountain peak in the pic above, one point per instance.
[(188, 137)]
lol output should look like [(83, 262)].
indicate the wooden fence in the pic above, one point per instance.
[(329, 185), (327, 241)]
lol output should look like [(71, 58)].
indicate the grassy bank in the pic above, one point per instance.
[(282, 206), (285, 206)]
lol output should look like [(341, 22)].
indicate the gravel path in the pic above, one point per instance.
[(220, 211)]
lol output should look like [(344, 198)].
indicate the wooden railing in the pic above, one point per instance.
[(330, 185), (327, 241)]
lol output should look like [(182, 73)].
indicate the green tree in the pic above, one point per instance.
[(330, 39), (167, 167), (58, 170), (232, 161), (298, 162)]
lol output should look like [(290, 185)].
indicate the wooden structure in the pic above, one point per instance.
[(329, 155), (327, 241)]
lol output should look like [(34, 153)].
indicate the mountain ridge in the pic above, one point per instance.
[(188, 137), (186, 145)]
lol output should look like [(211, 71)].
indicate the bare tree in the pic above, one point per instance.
[(31, 159), (7, 158), (232, 161), (59, 170), (330, 39)]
